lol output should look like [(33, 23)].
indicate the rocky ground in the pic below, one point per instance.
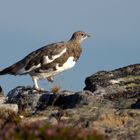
[(109, 105)]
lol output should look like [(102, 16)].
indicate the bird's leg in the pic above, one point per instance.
[(50, 79), (35, 81)]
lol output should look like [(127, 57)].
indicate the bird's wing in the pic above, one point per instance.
[(36, 59), (42, 56)]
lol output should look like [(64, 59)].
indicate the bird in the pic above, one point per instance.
[(49, 60)]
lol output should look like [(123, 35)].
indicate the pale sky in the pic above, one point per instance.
[(30, 24)]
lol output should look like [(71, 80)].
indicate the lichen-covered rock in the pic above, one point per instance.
[(2, 99), (120, 83), (109, 104), (1, 91), (28, 99), (10, 107), (23, 97), (103, 115), (6, 107)]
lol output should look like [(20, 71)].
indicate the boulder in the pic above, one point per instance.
[(1, 91), (119, 83), (28, 99), (109, 104), (10, 107), (4, 107)]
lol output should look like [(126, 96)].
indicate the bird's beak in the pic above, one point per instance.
[(88, 35)]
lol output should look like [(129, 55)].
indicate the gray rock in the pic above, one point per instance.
[(25, 98), (136, 105), (2, 99), (31, 100), (6, 107), (1, 91), (10, 107), (120, 83), (109, 104), (52, 121)]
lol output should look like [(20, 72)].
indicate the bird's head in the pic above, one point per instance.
[(79, 36)]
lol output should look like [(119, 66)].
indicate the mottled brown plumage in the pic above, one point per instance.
[(49, 60)]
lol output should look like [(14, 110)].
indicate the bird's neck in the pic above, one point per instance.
[(74, 41)]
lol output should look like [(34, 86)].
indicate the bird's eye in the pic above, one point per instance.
[(82, 34)]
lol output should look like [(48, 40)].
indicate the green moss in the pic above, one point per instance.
[(131, 78), (130, 83), (133, 85)]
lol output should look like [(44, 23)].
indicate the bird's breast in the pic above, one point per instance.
[(58, 69), (67, 65)]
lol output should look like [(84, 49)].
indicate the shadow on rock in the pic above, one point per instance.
[(28, 99)]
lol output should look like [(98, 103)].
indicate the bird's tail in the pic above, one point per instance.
[(1, 71), (8, 70), (13, 70), (1, 91)]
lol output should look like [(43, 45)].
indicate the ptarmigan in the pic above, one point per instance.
[(49, 60)]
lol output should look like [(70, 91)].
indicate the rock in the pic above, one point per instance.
[(23, 97), (52, 121), (120, 83), (2, 99), (136, 105), (10, 107), (6, 107), (1, 91), (30, 100), (103, 115), (109, 104)]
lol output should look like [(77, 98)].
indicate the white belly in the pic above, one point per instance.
[(67, 65)]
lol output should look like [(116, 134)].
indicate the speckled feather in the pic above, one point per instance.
[(49, 60)]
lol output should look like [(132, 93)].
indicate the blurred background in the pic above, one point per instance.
[(26, 25)]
